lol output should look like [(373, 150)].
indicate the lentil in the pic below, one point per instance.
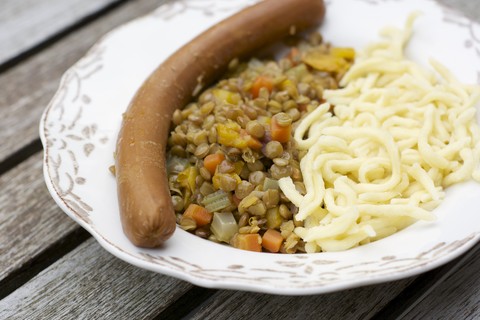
[(202, 232), (255, 166), (284, 212), (255, 129), (283, 119), (243, 220), (243, 189), (256, 177), (273, 149), (226, 166), (270, 198), (177, 203), (202, 150)]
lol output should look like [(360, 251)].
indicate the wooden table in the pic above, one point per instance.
[(50, 268)]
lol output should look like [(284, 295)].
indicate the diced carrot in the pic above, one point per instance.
[(280, 133), (212, 161), (272, 240), (251, 142), (261, 82), (249, 241), (199, 214)]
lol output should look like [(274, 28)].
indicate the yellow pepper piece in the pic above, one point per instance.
[(228, 134), (222, 95), (240, 144), (346, 53), (323, 62), (187, 178)]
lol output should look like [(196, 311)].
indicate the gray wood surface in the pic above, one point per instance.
[(89, 283), (359, 303), (26, 89), (455, 298), (21, 30), (30, 221)]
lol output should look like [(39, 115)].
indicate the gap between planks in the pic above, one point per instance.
[(20, 155), (50, 255), (27, 88), (424, 284), (183, 307), (90, 283)]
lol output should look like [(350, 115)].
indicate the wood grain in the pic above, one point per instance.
[(90, 283), (26, 89), (457, 297), (30, 22), (359, 303), (30, 221)]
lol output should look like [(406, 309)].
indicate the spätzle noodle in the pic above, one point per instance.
[(398, 136)]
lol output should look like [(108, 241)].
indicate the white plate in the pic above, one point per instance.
[(80, 125)]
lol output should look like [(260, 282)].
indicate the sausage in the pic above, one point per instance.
[(146, 208)]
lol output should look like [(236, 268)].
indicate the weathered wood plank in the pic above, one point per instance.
[(90, 283), (422, 286), (26, 89), (358, 303), (458, 297), (27, 23), (30, 221)]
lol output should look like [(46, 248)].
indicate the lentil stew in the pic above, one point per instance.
[(228, 148)]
